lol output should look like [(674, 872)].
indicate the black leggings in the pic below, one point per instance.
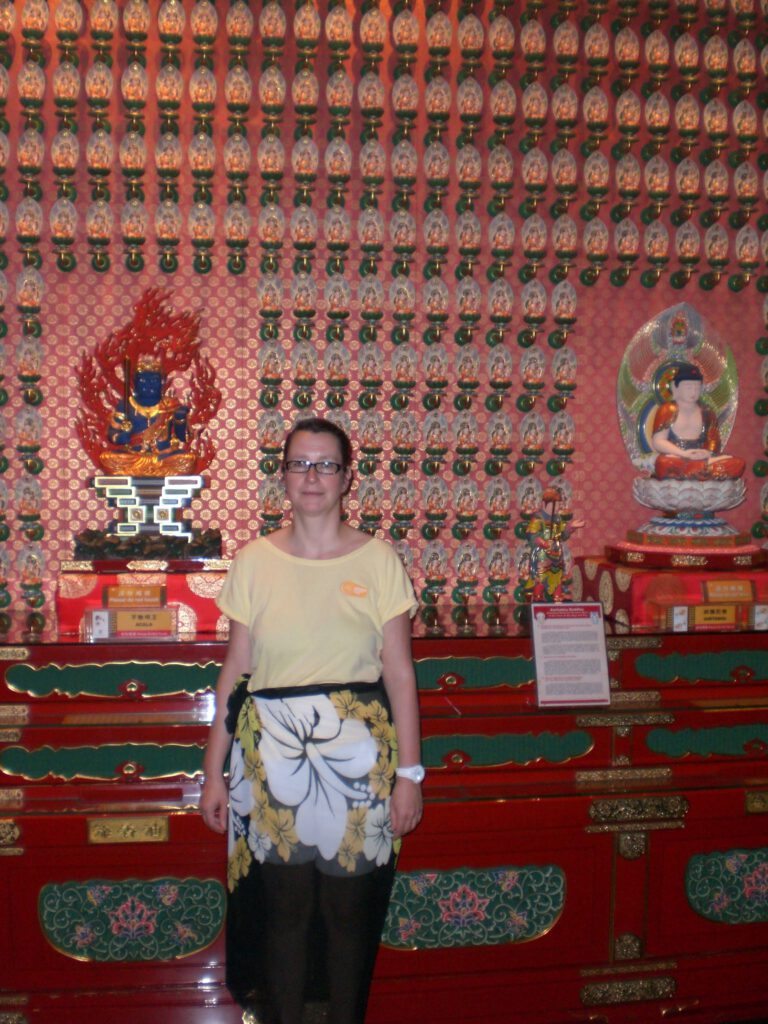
[(318, 936)]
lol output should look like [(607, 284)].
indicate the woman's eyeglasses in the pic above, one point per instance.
[(324, 468)]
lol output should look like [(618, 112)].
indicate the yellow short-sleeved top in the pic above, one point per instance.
[(315, 620)]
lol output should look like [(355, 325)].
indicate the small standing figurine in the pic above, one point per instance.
[(546, 576)]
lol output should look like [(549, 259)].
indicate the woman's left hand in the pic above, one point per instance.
[(405, 807)]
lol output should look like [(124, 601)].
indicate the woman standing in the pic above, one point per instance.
[(316, 701)]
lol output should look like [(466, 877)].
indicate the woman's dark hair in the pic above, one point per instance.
[(317, 425)]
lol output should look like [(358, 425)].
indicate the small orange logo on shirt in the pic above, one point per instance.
[(352, 589)]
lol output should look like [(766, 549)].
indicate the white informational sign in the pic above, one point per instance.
[(570, 656)]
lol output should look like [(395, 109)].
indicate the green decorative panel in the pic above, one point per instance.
[(134, 919), (730, 887), (112, 679), (710, 667), (109, 761), (505, 748), (484, 907), (474, 673), (749, 740)]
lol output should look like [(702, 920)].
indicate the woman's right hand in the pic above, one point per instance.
[(213, 803)]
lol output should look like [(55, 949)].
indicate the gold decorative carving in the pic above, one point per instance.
[(622, 775), (203, 584), (12, 1017), (623, 579), (636, 990), (75, 585), (11, 851), (634, 556), (14, 714), (634, 643), (756, 801), (13, 798), (10, 735), (605, 592), (745, 560), (128, 830), (688, 561), (147, 566), (621, 620), (625, 721), (628, 947), (73, 566), (591, 565), (650, 826), (644, 968), (9, 831), (633, 845), (630, 697), (14, 653), (647, 808)]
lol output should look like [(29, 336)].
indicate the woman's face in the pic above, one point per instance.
[(314, 493)]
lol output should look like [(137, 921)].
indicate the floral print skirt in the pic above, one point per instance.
[(310, 776)]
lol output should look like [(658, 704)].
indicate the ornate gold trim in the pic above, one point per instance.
[(630, 697), (129, 769), (14, 714), (142, 664), (11, 851), (12, 1018), (636, 990), (601, 775), (12, 798), (644, 968), (9, 831), (634, 643), (689, 561), (10, 735), (756, 801), (649, 826), (14, 653), (73, 566), (647, 808), (128, 830), (626, 720)]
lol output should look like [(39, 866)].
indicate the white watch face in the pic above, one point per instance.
[(414, 773)]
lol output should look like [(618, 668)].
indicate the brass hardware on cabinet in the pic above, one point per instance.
[(628, 947), (756, 801), (14, 653), (9, 831), (14, 714), (608, 993), (128, 830), (634, 809), (633, 845)]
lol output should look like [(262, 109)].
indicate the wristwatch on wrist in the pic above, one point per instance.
[(412, 772)]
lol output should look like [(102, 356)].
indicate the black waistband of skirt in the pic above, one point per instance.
[(278, 692), (241, 693)]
